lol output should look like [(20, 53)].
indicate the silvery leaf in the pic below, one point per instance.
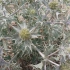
[(40, 65)]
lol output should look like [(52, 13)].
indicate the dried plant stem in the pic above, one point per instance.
[(53, 53), (43, 56)]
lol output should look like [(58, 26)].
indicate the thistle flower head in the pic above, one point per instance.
[(53, 5), (32, 11), (24, 34)]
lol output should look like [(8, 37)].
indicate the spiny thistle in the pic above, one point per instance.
[(26, 35), (18, 39)]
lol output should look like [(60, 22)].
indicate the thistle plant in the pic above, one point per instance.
[(37, 31), (25, 34)]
